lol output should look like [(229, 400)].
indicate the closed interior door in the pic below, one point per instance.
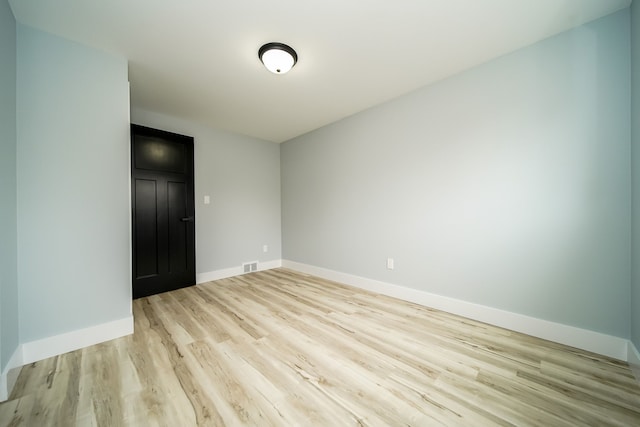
[(163, 211)]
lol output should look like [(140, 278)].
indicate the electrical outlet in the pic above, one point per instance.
[(390, 264), (265, 248)]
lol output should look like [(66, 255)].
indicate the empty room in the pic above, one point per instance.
[(249, 213)]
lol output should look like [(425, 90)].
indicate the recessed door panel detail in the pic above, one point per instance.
[(159, 154), (179, 223), (145, 224)]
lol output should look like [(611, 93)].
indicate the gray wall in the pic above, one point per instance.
[(242, 177), (635, 135), (8, 200), (73, 186), (507, 185)]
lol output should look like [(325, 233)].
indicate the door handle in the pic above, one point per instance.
[(187, 219)]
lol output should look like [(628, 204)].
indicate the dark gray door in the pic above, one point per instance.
[(163, 211)]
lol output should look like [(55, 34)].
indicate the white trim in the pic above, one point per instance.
[(34, 351), (10, 373), (634, 360), (210, 276), (4, 390), (59, 344), (596, 342)]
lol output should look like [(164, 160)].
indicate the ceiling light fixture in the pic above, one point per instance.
[(277, 57)]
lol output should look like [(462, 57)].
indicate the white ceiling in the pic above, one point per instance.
[(198, 59)]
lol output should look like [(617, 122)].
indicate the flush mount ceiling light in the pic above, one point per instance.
[(277, 57)]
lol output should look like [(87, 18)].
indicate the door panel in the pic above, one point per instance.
[(176, 195), (145, 225), (163, 211), (160, 154)]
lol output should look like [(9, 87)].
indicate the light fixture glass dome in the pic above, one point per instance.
[(277, 57)]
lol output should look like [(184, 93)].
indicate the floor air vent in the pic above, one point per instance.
[(248, 267)]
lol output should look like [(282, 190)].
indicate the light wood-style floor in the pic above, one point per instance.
[(286, 349)]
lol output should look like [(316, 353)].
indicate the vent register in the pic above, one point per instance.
[(249, 267)]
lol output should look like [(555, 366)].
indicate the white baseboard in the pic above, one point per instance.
[(34, 351), (584, 339), (634, 360), (9, 374), (59, 344), (234, 271)]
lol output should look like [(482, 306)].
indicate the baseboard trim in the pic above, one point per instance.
[(36, 350), (10, 373), (633, 359), (584, 339), (234, 271)]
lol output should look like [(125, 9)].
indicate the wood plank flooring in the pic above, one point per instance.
[(279, 348)]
